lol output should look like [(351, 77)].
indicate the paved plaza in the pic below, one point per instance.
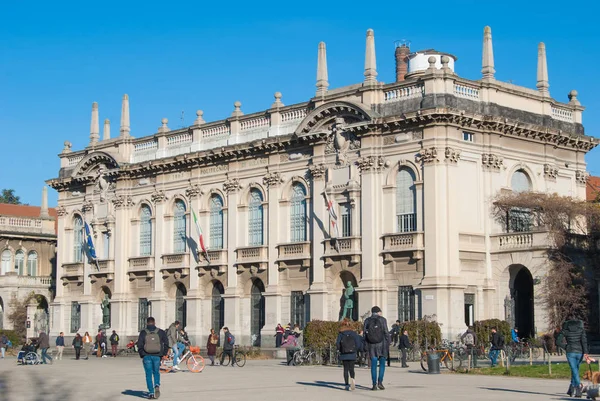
[(123, 379)]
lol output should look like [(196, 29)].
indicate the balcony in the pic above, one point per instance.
[(294, 254), (37, 282), (218, 263), (176, 264), (522, 241), (395, 244), (104, 269), (72, 272), (252, 257), (141, 267), (349, 249)]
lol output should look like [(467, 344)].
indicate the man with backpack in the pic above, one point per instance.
[(377, 337), (228, 346), (349, 344), (497, 341), (469, 338), (114, 343), (152, 345)]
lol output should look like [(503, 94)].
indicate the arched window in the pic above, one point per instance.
[(255, 218), (32, 263), (145, 231), (20, 262), (77, 239), (180, 227), (298, 213), (6, 261), (406, 201), (520, 219), (216, 222), (520, 181)]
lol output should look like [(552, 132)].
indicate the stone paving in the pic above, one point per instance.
[(264, 380)]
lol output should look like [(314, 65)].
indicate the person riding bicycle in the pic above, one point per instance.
[(183, 341), (514, 333)]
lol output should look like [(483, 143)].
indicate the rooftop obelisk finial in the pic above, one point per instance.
[(370, 60), (125, 129), (542, 70), (322, 78), (94, 126), (44, 207), (106, 134), (487, 63)]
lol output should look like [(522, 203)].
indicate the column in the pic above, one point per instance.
[(60, 302), (120, 250), (231, 242), (195, 294)]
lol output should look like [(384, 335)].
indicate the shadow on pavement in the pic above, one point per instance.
[(335, 386), (135, 393), (509, 390)]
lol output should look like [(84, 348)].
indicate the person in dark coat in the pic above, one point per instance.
[(211, 346), (577, 350), (497, 345), (349, 344), (44, 344), (77, 345), (151, 360), (279, 330), (377, 337), (404, 345), (114, 343)]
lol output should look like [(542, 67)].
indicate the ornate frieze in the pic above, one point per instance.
[(317, 171), (492, 161), (61, 211), (192, 191), (428, 155), (550, 171), (272, 179), (87, 206), (120, 201), (158, 197), (581, 176), (452, 155), (232, 185), (368, 163)]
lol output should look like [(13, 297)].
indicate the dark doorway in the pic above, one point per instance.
[(180, 305), (218, 307), (257, 311), (522, 294)]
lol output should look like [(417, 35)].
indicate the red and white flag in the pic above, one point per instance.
[(334, 221), (200, 236)]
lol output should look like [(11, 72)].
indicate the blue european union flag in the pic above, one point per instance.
[(90, 244)]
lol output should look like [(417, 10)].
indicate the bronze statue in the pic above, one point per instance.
[(105, 305), (349, 303)]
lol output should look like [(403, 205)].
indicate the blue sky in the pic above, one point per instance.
[(56, 58)]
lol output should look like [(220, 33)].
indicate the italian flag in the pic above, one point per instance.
[(200, 236)]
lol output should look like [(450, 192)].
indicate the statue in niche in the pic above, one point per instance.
[(102, 183), (41, 321), (348, 301), (105, 305)]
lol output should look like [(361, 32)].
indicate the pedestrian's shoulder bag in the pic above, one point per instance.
[(152, 343), (374, 330)]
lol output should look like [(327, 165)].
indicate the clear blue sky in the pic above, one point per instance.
[(56, 58)]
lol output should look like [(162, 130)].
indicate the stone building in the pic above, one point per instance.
[(28, 261), (411, 168)]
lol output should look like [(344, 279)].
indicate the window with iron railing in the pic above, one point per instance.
[(298, 215), (77, 239), (179, 227), (406, 201), (406, 303), (146, 231), (255, 218), (143, 313), (300, 308), (345, 214), (216, 222), (75, 317)]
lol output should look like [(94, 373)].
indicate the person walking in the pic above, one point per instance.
[(77, 344), (377, 337), (577, 350), (99, 341), (44, 344), (211, 346), (173, 336), (348, 343), (497, 341), (279, 330), (469, 338), (291, 346), (114, 343), (60, 346), (3, 344), (228, 346), (404, 346), (152, 345), (87, 345), (395, 333)]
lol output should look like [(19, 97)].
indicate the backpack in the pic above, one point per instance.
[(469, 339), (152, 343), (231, 339), (347, 344), (375, 331), (501, 342)]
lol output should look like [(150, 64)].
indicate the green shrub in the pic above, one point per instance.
[(426, 332), (483, 330), (321, 334), (12, 336)]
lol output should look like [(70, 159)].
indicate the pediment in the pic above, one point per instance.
[(92, 163), (321, 118)]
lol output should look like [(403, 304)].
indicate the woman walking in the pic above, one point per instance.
[(211, 346), (279, 330), (348, 343), (87, 345), (577, 350), (77, 345)]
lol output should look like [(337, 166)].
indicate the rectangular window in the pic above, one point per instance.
[(467, 136), (346, 220), (106, 243), (469, 309), (300, 309), (143, 313), (406, 303), (75, 316), (519, 220)]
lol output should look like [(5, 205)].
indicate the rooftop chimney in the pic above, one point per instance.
[(402, 52)]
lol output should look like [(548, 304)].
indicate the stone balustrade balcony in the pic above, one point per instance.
[(37, 282), (104, 268), (294, 253), (216, 265), (252, 257), (348, 248), (141, 267), (520, 241), (176, 264), (72, 272), (397, 243)]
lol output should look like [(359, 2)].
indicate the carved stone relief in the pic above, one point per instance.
[(492, 161), (426, 156)]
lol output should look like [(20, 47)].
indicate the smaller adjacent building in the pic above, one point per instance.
[(592, 192), (28, 261)]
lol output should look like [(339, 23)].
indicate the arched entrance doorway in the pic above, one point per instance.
[(105, 305), (180, 305), (257, 310), (41, 319), (347, 277), (522, 301), (218, 307)]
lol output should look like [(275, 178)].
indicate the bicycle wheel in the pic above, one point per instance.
[(452, 363), (424, 362), (225, 360), (535, 351), (240, 359), (166, 364), (195, 363)]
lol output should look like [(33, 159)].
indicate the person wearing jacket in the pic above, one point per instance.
[(3, 342), (114, 343), (173, 336), (376, 326), (404, 345), (469, 338), (87, 345), (151, 360), (348, 343), (211, 346), (60, 346), (228, 347), (279, 335), (44, 344), (577, 350), (291, 346), (77, 344)]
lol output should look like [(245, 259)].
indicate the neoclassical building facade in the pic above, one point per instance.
[(411, 168)]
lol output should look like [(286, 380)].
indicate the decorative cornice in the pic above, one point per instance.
[(61, 211), (158, 197), (122, 201), (232, 185), (317, 171), (550, 171), (371, 163), (428, 155), (192, 191), (272, 179), (492, 161), (452, 155), (581, 176)]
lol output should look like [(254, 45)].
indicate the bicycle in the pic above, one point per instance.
[(194, 362), (238, 354), (522, 349), (304, 356), (446, 358)]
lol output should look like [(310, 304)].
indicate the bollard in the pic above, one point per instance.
[(469, 362), (433, 363), (530, 356)]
